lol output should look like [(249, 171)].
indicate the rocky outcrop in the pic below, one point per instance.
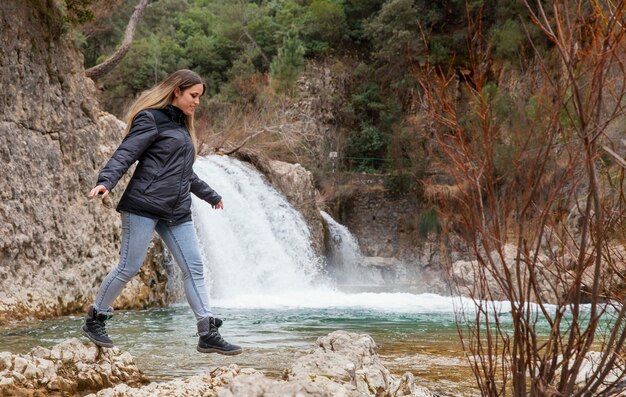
[(296, 183), (552, 285), (55, 246), (466, 276), (68, 368), (341, 364), (199, 385), (399, 246)]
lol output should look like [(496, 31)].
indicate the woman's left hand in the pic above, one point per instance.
[(218, 206)]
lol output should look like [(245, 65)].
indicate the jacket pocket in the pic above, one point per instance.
[(151, 182)]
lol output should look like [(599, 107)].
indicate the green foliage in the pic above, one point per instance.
[(209, 36), (366, 101), (390, 114), (324, 25), (367, 146), (240, 87), (439, 50), (531, 109), (503, 107), (357, 12), (489, 92), (394, 31), (429, 222), (288, 64), (507, 39), (236, 45), (78, 11), (500, 104), (267, 35), (80, 39), (289, 14)]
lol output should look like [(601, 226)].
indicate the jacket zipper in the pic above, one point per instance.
[(180, 186)]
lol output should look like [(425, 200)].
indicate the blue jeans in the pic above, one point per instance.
[(181, 240)]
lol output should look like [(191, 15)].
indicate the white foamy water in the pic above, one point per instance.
[(326, 298), (258, 252), (258, 244), (344, 256)]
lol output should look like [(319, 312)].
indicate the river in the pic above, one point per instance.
[(276, 297)]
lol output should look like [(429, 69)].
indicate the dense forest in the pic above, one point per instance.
[(251, 54)]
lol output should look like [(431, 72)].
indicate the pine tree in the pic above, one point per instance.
[(287, 65)]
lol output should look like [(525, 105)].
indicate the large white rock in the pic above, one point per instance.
[(69, 367), (341, 364), (199, 385)]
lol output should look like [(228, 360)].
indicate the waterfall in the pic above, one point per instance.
[(344, 255), (258, 253), (258, 244)]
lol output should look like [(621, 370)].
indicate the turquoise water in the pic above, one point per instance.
[(414, 333), (162, 340)]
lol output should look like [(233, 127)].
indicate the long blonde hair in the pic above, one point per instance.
[(162, 95)]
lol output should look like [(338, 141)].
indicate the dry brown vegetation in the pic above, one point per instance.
[(537, 193), (266, 123)]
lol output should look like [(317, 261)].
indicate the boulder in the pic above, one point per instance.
[(199, 385), (466, 275), (341, 364), (552, 284), (296, 183), (67, 368)]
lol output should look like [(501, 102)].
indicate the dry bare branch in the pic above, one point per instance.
[(544, 228), (105, 67)]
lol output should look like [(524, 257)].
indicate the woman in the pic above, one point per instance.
[(161, 138)]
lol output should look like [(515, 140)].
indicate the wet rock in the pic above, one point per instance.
[(69, 367), (296, 183)]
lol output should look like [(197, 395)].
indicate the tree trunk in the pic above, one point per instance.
[(105, 67)]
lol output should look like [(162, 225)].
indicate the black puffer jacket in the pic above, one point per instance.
[(164, 175)]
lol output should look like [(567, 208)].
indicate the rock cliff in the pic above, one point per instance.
[(387, 227), (55, 246)]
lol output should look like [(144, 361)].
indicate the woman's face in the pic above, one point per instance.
[(188, 99)]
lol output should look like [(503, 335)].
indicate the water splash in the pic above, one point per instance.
[(258, 253), (259, 244), (345, 260)]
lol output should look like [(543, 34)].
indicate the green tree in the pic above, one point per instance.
[(325, 23), (289, 14), (395, 35), (357, 12), (288, 64), (507, 39), (368, 146)]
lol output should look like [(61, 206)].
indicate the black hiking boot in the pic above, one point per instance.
[(210, 339), (93, 328)]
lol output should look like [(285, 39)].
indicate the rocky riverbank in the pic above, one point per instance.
[(340, 364)]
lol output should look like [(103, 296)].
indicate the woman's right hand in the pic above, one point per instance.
[(100, 189)]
